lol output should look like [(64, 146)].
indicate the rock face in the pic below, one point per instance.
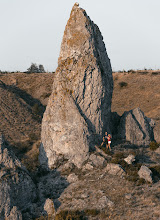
[(17, 189), (130, 159), (114, 169), (79, 109), (136, 128), (145, 173)]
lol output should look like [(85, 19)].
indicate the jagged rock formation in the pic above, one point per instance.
[(135, 127), (17, 190), (78, 111)]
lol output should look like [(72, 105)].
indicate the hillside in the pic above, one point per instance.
[(18, 121), (131, 90), (138, 89)]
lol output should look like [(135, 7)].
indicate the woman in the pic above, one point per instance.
[(109, 142)]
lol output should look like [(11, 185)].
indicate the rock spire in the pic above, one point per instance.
[(78, 111)]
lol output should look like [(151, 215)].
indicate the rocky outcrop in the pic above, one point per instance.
[(114, 169), (79, 109), (145, 173), (130, 159), (17, 190), (136, 128)]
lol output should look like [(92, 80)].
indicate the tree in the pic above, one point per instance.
[(41, 69), (36, 69), (33, 68)]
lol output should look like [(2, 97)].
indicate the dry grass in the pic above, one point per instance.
[(143, 91)]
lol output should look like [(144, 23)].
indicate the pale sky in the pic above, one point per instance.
[(32, 31)]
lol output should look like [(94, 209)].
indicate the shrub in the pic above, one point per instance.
[(131, 71), (153, 145), (123, 84), (70, 215), (155, 73), (143, 72), (92, 212), (35, 69), (36, 109), (116, 78)]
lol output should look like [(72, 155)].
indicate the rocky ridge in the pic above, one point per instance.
[(17, 190)]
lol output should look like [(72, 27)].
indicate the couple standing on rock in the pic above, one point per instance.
[(107, 141)]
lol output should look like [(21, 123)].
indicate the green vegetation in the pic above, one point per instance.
[(153, 145), (123, 84)]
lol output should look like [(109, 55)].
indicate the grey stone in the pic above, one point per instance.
[(114, 169), (97, 161), (66, 166), (145, 173), (135, 128), (49, 208), (104, 202), (15, 214), (157, 150), (88, 166), (79, 108), (17, 190), (130, 159), (72, 178), (128, 196)]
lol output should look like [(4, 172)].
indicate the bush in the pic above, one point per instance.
[(155, 73), (35, 69), (36, 109), (153, 145), (123, 84), (70, 215)]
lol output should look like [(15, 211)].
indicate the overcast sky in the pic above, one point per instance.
[(32, 31)]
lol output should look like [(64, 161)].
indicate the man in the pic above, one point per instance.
[(105, 140)]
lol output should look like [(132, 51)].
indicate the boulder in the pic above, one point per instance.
[(157, 150), (97, 161), (130, 159), (88, 166), (114, 169), (49, 208), (17, 190), (72, 178), (145, 173), (135, 127), (79, 108), (104, 202), (14, 214)]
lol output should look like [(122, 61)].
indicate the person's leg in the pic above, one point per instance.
[(109, 146)]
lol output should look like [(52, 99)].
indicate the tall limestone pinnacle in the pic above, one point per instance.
[(79, 108)]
